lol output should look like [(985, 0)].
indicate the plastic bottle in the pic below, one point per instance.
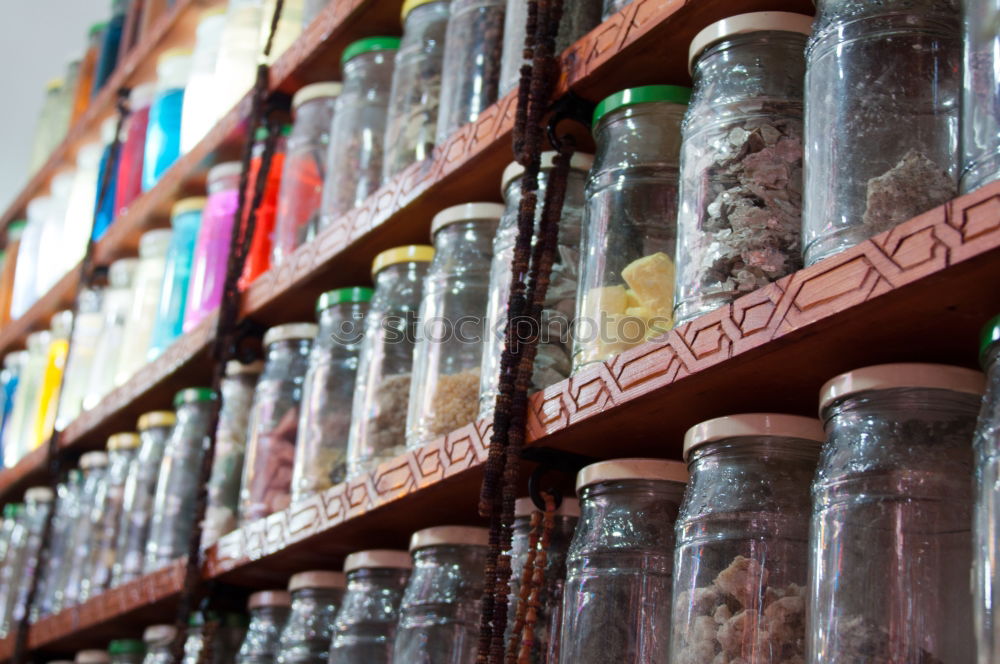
[(163, 138), (198, 114), (88, 69), (55, 363), (104, 196), (130, 165)]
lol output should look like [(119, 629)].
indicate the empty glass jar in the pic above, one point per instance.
[(269, 611), (123, 452), (630, 227), (986, 526), (980, 114), (115, 311), (146, 289), (440, 613), (316, 598), (892, 510), (616, 606), (741, 565), (158, 640)]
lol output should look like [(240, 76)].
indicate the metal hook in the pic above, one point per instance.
[(568, 107), (551, 460)]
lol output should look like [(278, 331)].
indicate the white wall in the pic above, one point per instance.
[(37, 40)]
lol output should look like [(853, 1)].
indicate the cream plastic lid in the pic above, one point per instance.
[(449, 536), (746, 23), (142, 95), (92, 657), (889, 376), (159, 633), (290, 331), (378, 559), (237, 368), (316, 579), (753, 424), (632, 469), (156, 418), (269, 598), (465, 212), (316, 91), (155, 242), (224, 170), (126, 440), (38, 494), (108, 127), (580, 161), (93, 460), (525, 507), (192, 204)]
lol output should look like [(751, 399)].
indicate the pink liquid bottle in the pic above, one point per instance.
[(133, 148)]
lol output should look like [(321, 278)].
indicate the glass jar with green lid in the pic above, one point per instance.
[(157, 640), (986, 523), (127, 651), (626, 290)]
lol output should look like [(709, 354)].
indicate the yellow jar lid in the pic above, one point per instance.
[(410, 5), (157, 418), (170, 53), (417, 253), (193, 204), (123, 441), (213, 11)]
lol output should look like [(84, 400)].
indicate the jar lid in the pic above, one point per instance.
[(173, 54), (269, 598), (194, 395), (367, 45), (450, 535), (341, 295), (224, 170), (745, 23), (12, 510), (38, 494), (126, 647), (753, 424), (159, 633), (632, 469), (990, 336), (465, 212), (410, 5), (378, 559), (316, 91), (888, 376), (212, 12), (54, 84), (142, 95), (92, 657), (674, 94), (290, 331), (417, 253), (263, 132), (156, 418), (93, 460), (578, 162), (316, 579), (155, 242), (95, 28), (16, 227), (123, 441), (185, 205), (525, 507), (237, 368)]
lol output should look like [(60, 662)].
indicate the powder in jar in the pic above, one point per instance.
[(455, 401)]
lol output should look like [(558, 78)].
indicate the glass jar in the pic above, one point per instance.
[(223, 488), (354, 160), (612, 7), (327, 392), (107, 59), (626, 290), (128, 186), (163, 139), (269, 610), (311, 10), (440, 613), (177, 485), (986, 525), (198, 114), (316, 598), (548, 613), (236, 64), (470, 74), (104, 202), (14, 531), (302, 177), (616, 606), (382, 386), (891, 543), (899, 59), (94, 466), (980, 117), (365, 628), (229, 630), (742, 558), (115, 312), (27, 549), (80, 362), (416, 86), (552, 362), (741, 160), (25, 290), (211, 253), (55, 362), (146, 287), (10, 378), (274, 419), (19, 432), (139, 495), (58, 553), (54, 263), (123, 452), (127, 651), (46, 136), (92, 657), (158, 640), (185, 221), (448, 353), (258, 258)]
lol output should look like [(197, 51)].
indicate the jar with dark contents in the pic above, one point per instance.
[(123, 451), (228, 629), (741, 565), (416, 86), (548, 615), (626, 293), (470, 75), (883, 89), (223, 488), (892, 514), (274, 420), (174, 501), (986, 525), (325, 420), (95, 474), (127, 651), (140, 491), (740, 217), (365, 628), (357, 135), (980, 104), (316, 598), (553, 361), (158, 639), (444, 393), (616, 605), (382, 386), (269, 610)]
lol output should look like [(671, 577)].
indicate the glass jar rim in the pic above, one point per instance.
[(905, 375), (466, 212), (743, 24), (449, 536), (747, 425), (378, 559), (674, 94), (367, 45), (290, 331), (267, 598), (411, 253), (580, 161), (316, 579), (616, 470)]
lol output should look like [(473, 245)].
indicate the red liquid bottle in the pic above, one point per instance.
[(259, 256), (133, 147)]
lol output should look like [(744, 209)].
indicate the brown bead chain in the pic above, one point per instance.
[(208, 632), (522, 638)]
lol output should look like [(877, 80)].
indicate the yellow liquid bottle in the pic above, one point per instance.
[(48, 395)]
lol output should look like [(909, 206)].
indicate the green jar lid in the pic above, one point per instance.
[(341, 295), (261, 133), (126, 647), (990, 336), (369, 44), (16, 228), (95, 28), (675, 94), (194, 395), (11, 510)]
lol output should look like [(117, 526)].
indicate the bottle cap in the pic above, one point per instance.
[(417, 253), (342, 295), (410, 5), (226, 169), (745, 23), (269, 598), (142, 96), (290, 331), (92, 657), (449, 536), (126, 647), (889, 376), (159, 634), (378, 559), (990, 335), (578, 162), (753, 424), (617, 470), (156, 418), (674, 94), (316, 579), (194, 395), (465, 212), (525, 507), (123, 441), (96, 28), (38, 494), (185, 205), (12, 510), (316, 91), (93, 460), (237, 368), (367, 45), (155, 242)]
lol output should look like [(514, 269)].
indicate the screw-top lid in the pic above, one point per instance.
[(96, 27), (269, 598), (185, 205), (449, 536), (142, 95), (378, 559), (212, 12), (410, 5), (418, 253), (753, 424), (92, 657), (156, 418), (525, 507), (290, 331), (54, 84), (744, 23), (465, 212), (674, 94), (126, 647), (38, 494), (61, 324), (155, 242), (237, 368), (225, 170), (889, 376), (369, 44), (159, 633), (990, 335), (123, 441), (194, 395), (316, 91), (316, 579), (263, 132), (341, 295), (578, 162), (93, 460), (631, 469)]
